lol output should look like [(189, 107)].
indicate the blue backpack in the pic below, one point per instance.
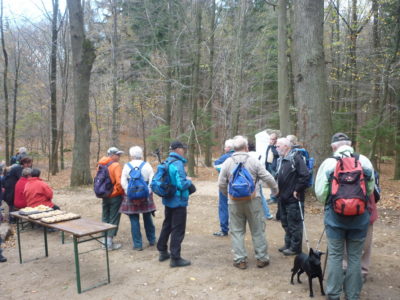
[(137, 187), (161, 184), (309, 163), (241, 185), (102, 185)]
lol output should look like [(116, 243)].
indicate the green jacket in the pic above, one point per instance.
[(322, 184)]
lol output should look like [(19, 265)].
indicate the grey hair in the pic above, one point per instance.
[(239, 143), (284, 141), (26, 172), (229, 144), (22, 150), (292, 139), (340, 143), (136, 152)]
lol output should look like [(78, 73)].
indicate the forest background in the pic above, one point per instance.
[(98, 73)]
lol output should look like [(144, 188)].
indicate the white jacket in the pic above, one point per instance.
[(147, 173)]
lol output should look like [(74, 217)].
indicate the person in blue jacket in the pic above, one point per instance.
[(174, 224), (223, 199)]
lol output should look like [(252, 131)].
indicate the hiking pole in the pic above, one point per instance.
[(319, 241), (326, 261), (304, 226)]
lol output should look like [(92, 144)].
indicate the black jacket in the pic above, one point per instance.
[(9, 182), (292, 176)]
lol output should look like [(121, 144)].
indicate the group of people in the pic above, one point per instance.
[(287, 174), (21, 186), (174, 224)]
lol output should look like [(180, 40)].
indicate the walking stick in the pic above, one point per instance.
[(304, 226), (157, 153)]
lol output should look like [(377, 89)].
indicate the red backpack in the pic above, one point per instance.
[(348, 190)]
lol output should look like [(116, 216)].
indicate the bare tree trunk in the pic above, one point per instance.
[(83, 56), (17, 65), (114, 53), (283, 76), (238, 76), (209, 118), (314, 118), (195, 90), (5, 74), (53, 91), (96, 121), (143, 129)]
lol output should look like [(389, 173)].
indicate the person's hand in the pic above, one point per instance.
[(188, 178), (295, 194)]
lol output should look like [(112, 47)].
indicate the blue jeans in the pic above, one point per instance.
[(267, 213), (148, 226), (223, 212), (351, 280)]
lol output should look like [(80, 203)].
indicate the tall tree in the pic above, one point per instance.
[(53, 90), (17, 70), (210, 96), (195, 88), (283, 75), (114, 58), (5, 76), (83, 56), (314, 118)]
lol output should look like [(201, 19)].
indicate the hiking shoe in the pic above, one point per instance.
[(262, 263), (289, 252), (220, 233), (138, 248), (114, 246), (180, 262), (281, 249), (164, 255), (270, 217), (240, 264), (2, 259)]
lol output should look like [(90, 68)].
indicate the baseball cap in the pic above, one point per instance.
[(177, 144), (114, 150), (339, 137)]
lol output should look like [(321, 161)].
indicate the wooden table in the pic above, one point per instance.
[(79, 228)]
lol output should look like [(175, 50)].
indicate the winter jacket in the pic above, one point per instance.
[(218, 163), (9, 181), (178, 177), (37, 192), (19, 198), (253, 165), (292, 176), (322, 187), (115, 172)]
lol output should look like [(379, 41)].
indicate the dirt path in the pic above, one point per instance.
[(139, 275)]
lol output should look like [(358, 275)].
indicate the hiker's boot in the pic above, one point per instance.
[(289, 252), (179, 262), (164, 255)]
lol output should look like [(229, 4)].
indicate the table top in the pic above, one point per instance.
[(78, 227)]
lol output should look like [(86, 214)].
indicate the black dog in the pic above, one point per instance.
[(311, 264)]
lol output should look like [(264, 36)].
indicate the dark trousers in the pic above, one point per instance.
[(292, 224), (111, 213), (174, 224)]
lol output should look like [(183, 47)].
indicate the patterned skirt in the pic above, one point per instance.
[(137, 206)]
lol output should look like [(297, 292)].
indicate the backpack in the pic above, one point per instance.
[(348, 188), (102, 185), (241, 185), (309, 161), (161, 184), (137, 187)]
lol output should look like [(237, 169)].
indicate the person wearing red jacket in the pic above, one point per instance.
[(37, 192), (19, 198), (112, 203)]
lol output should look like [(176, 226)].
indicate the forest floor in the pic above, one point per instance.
[(139, 275)]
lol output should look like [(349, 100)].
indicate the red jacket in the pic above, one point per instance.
[(38, 192), (19, 198)]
